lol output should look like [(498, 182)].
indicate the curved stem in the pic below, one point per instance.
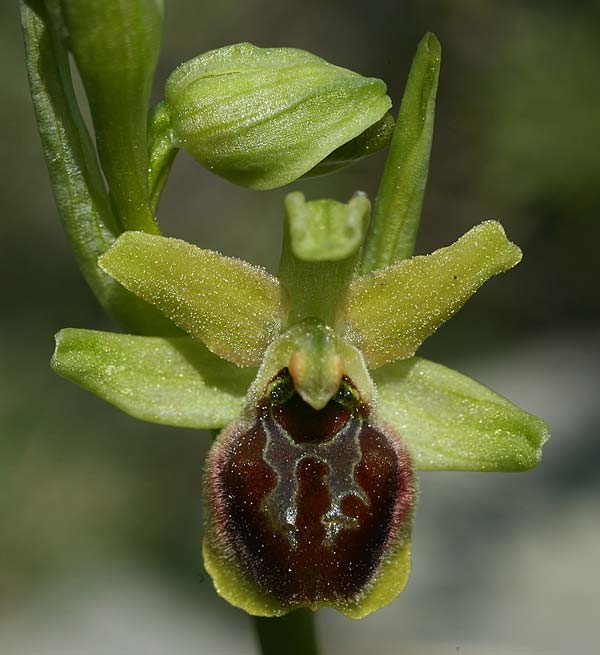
[(293, 634)]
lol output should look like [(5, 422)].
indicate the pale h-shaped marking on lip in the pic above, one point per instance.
[(342, 453)]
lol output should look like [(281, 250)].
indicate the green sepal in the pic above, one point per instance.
[(397, 211), (174, 381), (451, 422), (372, 140), (389, 313), (83, 204), (321, 244), (235, 308), (262, 117), (116, 46), (161, 151)]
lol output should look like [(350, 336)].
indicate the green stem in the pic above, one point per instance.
[(292, 634)]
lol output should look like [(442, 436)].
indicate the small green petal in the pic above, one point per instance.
[(262, 117), (174, 381), (389, 313), (236, 309), (451, 422)]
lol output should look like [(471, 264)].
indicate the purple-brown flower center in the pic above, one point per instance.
[(308, 500)]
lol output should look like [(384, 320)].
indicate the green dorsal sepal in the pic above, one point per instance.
[(322, 241)]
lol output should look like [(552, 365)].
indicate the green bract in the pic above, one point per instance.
[(327, 413), (262, 117), (116, 46)]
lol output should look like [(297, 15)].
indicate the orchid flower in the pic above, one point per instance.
[(325, 411)]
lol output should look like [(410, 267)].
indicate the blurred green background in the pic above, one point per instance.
[(101, 516)]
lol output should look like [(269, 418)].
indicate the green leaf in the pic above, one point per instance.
[(236, 309), (262, 117), (389, 313), (321, 244), (83, 204), (173, 381), (116, 46), (400, 197), (451, 422), (161, 151)]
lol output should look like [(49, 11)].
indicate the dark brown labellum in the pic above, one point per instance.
[(308, 501)]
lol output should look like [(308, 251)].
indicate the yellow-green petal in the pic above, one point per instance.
[(235, 308), (451, 422), (174, 381), (388, 314)]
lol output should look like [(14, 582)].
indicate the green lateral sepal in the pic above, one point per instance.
[(389, 313), (174, 381), (235, 308), (453, 423), (263, 117)]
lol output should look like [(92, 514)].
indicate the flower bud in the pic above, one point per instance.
[(309, 507), (262, 117)]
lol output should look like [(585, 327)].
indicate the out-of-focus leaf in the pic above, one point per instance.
[(236, 309), (389, 313), (174, 381), (451, 422)]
